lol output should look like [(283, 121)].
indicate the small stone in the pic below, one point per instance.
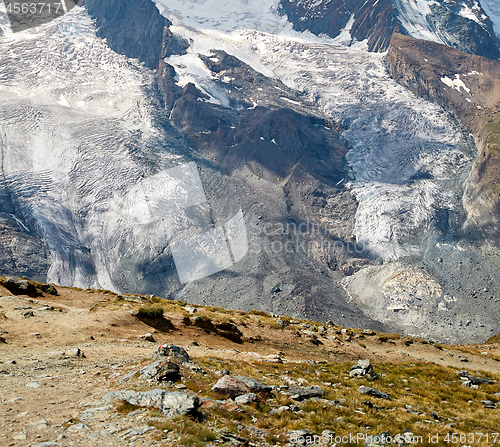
[(148, 337), (280, 410), (28, 314), (373, 392), (301, 437), (246, 398), (35, 384), (77, 427), (282, 323), (489, 404), (328, 435)]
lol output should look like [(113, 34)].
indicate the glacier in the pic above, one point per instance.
[(87, 151), (394, 136), (81, 147), (75, 190)]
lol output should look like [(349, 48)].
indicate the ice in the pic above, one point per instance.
[(224, 15), (471, 13), (73, 116), (492, 8), (413, 17), (407, 159)]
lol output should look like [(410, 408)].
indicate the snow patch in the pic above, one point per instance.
[(456, 83)]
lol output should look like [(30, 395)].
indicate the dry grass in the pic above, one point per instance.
[(432, 389)]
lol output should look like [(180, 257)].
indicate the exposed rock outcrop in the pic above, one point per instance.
[(377, 20), (130, 27)]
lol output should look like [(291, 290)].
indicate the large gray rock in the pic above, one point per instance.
[(172, 352), (465, 376), (363, 368), (373, 392), (299, 393), (168, 402), (231, 386), (254, 384), (162, 371)]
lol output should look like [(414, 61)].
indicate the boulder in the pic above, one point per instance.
[(282, 323), (466, 377), (246, 398), (231, 386), (172, 352), (257, 386), (373, 392), (191, 309), (162, 371), (363, 368), (300, 394), (19, 286), (168, 402)]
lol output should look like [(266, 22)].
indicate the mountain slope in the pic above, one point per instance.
[(218, 163), (461, 24), (91, 349)]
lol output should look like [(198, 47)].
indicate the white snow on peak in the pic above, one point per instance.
[(492, 8), (413, 17), (224, 15), (456, 83), (471, 13)]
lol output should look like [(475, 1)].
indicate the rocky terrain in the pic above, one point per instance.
[(95, 368), (461, 24)]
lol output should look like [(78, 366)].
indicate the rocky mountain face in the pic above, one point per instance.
[(142, 37), (469, 87), (195, 123), (461, 24)]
